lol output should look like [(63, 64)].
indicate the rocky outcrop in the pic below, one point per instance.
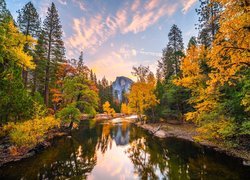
[(121, 85)]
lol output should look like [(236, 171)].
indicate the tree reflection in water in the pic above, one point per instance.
[(109, 150)]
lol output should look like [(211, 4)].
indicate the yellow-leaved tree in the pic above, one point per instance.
[(194, 78), (107, 109), (142, 97), (12, 43), (230, 51), (125, 109)]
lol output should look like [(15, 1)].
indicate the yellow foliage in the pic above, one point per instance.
[(125, 109), (12, 44), (231, 48), (142, 97), (192, 75), (204, 99), (31, 132), (6, 129), (107, 109)]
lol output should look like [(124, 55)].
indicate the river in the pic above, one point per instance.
[(120, 150)]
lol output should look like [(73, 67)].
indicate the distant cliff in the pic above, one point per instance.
[(121, 85)]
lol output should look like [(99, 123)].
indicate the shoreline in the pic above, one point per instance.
[(6, 157), (187, 132), (5, 145)]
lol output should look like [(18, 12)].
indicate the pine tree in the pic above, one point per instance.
[(29, 24), (4, 12), (172, 54), (209, 13), (80, 61), (192, 42), (167, 62), (52, 46), (176, 44), (40, 61)]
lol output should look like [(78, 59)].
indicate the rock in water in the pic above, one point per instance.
[(120, 86)]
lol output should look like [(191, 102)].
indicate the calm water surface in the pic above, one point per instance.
[(119, 150)]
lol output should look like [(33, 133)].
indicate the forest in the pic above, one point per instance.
[(206, 84)]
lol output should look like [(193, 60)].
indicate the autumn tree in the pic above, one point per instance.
[(141, 97), (15, 101), (107, 109), (219, 95), (125, 109)]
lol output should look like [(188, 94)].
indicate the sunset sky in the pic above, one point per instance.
[(116, 35)]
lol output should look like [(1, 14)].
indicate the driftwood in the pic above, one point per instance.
[(157, 129)]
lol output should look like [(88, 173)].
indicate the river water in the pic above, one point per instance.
[(119, 150)]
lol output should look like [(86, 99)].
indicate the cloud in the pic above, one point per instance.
[(63, 2), (187, 4), (152, 12), (90, 34), (92, 30), (150, 53), (135, 5), (80, 4)]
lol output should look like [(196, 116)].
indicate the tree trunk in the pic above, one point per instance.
[(34, 82), (46, 89)]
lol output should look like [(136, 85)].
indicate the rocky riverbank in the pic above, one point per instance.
[(188, 132)]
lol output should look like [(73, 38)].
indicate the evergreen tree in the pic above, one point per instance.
[(167, 62), (192, 42), (175, 44), (209, 13), (80, 61), (29, 24), (52, 46), (172, 98), (4, 12), (40, 61)]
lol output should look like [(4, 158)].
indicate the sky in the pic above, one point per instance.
[(116, 35)]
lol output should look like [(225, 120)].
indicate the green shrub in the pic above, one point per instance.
[(69, 114), (245, 128)]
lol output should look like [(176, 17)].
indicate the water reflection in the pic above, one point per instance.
[(118, 150)]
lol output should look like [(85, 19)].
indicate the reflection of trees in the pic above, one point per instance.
[(146, 159), (105, 140), (203, 168), (76, 157), (119, 132)]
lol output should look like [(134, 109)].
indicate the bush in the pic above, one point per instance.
[(69, 114), (4, 131), (32, 132), (245, 128), (222, 128)]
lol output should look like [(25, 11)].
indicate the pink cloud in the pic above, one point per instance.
[(187, 4), (136, 17), (135, 5)]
